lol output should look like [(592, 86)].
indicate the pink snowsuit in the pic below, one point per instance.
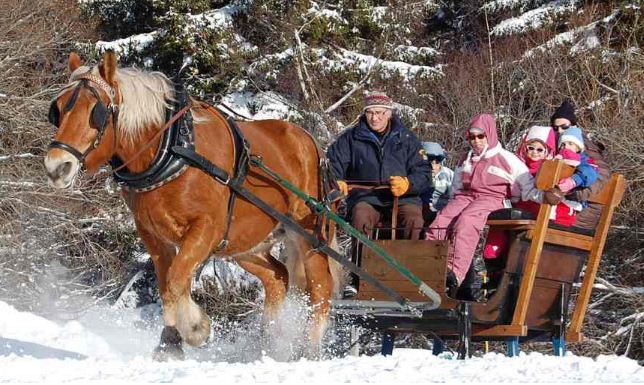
[(481, 183)]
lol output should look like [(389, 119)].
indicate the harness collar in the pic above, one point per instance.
[(166, 165)]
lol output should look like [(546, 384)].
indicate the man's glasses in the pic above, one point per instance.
[(561, 126), (376, 113), (537, 149), (476, 136)]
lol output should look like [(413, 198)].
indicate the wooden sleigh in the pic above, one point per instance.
[(532, 298)]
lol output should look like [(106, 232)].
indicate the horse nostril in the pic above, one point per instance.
[(61, 171), (64, 168)]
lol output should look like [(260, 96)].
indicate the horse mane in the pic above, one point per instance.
[(145, 96)]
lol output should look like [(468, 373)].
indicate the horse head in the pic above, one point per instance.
[(85, 112)]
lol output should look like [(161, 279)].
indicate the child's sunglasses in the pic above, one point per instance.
[(537, 149), (476, 136)]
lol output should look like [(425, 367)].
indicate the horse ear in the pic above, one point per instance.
[(107, 68), (74, 62)]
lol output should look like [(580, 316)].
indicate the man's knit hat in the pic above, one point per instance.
[(377, 99), (573, 135), (567, 111)]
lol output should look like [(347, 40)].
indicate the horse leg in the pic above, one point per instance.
[(273, 275), (162, 255), (319, 285), (192, 323), (311, 271)]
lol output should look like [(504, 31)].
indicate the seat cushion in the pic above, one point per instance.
[(517, 214), (510, 214)]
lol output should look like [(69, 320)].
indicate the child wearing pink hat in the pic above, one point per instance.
[(539, 144)]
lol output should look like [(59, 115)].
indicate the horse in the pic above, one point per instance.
[(106, 112)]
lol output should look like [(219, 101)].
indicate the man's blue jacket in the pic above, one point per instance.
[(360, 155)]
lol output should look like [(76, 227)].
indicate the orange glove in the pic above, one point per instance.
[(343, 187), (399, 185)]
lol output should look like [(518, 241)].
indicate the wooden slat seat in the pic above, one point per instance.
[(512, 311), (566, 238), (560, 235), (512, 224), (539, 232)]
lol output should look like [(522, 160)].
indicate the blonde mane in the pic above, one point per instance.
[(144, 99)]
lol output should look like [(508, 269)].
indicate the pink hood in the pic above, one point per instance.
[(544, 134), (487, 123)]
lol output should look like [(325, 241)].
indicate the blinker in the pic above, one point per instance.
[(98, 117)]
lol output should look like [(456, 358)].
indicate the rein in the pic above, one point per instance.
[(167, 125), (367, 186)]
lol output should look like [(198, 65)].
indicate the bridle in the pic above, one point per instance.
[(99, 116)]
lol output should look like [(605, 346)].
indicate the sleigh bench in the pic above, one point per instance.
[(539, 231)]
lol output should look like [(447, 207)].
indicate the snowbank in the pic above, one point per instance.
[(115, 344)]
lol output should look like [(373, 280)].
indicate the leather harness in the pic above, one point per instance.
[(172, 158)]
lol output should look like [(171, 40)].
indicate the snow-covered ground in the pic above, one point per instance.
[(109, 344)]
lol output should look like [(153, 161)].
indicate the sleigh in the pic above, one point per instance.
[(535, 287)]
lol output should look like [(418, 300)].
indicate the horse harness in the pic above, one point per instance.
[(99, 116), (176, 151)]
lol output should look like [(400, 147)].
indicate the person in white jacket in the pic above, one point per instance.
[(486, 176)]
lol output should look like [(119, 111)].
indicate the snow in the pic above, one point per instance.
[(217, 18), (409, 53), (585, 36), (329, 14), (263, 105), (108, 344), (350, 59), (500, 5), (533, 19), (136, 43), (25, 155)]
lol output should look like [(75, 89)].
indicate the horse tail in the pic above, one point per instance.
[(295, 246), (338, 272)]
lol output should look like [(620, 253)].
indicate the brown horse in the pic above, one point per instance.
[(182, 222)]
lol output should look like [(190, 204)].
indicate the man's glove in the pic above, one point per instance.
[(343, 187), (553, 196), (399, 185), (566, 184)]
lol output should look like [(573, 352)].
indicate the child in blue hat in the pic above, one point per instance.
[(571, 149), (436, 197)]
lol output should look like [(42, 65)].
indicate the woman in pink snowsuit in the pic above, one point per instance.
[(486, 176)]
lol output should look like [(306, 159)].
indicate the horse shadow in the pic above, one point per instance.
[(9, 346)]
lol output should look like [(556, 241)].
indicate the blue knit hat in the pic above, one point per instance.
[(433, 149), (573, 135)]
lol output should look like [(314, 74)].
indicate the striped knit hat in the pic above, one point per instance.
[(377, 99)]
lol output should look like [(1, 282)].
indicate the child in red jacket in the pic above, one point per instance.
[(538, 144)]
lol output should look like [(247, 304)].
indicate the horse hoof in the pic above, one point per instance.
[(170, 345), (193, 324), (199, 332)]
